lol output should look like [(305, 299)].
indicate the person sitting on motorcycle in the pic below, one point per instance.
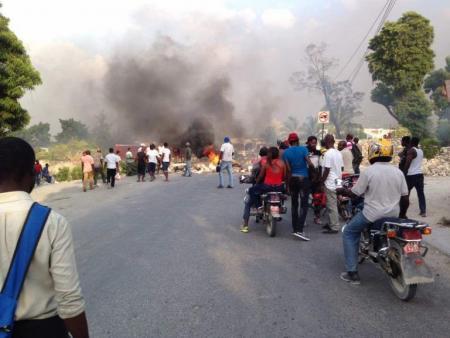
[(385, 195), (314, 174), (272, 174), (256, 166)]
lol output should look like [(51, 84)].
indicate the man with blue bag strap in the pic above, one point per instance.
[(40, 294)]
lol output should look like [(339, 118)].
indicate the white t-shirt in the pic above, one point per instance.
[(347, 157), (228, 150), (382, 185), (111, 161), (166, 155), (333, 160), (415, 167), (152, 155)]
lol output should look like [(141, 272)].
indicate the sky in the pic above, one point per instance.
[(257, 43)]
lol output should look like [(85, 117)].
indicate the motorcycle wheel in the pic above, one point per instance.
[(362, 253), (271, 225), (398, 285)]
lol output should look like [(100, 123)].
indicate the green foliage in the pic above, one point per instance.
[(38, 135), (339, 97), (430, 147), (17, 75), (443, 132), (401, 53), (72, 130), (434, 86), (65, 151), (63, 174), (413, 111), (400, 58), (76, 173)]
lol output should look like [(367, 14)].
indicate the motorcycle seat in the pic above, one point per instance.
[(403, 223)]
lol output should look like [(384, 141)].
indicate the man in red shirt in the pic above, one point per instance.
[(38, 172)]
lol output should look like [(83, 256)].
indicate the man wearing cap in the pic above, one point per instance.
[(297, 161), (188, 159), (226, 162)]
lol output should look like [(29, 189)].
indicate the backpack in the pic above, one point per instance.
[(357, 156), (23, 254)]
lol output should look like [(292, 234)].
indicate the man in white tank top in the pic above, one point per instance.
[(414, 174)]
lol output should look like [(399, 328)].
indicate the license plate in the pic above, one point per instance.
[(411, 247)]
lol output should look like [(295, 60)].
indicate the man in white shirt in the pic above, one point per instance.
[(347, 157), (51, 303), (112, 167), (153, 158), (226, 162), (385, 195), (166, 157), (332, 169)]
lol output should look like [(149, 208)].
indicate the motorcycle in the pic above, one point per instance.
[(346, 205), (271, 209), (396, 246)]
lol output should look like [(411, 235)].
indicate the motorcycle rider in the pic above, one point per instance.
[(385, 195), (272, 174), (314, 173)]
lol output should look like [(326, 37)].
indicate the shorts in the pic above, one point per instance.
[(151, 167), (87, 176), (165, 166)]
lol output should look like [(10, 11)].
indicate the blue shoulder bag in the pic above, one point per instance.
[(23, 254)]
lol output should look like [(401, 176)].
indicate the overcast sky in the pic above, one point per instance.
[(259, 42)]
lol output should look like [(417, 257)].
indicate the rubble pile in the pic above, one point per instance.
[(438, 166)]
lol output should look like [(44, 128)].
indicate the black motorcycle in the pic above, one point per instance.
[(396, 246)]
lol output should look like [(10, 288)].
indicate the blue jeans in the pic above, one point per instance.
[(351, 234), (416, 181), (187, 168), (254, 193), (228, 166)]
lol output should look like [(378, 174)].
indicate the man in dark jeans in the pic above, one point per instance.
[(112, 167), (297, 161), (414, 174)]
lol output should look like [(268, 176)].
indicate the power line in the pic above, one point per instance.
[(358, 67), (363, 39)]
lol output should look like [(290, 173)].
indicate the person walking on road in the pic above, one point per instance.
[(414, 173), (38, 172), (98, 166), (226, 162), (406, 144), (87, 168), (112, 167), (314, 174), (297, 162), (188, 159), (153, 159), (50, 303), (347, 157), (166, 158), (141, 160), (129, 160), (357, 156), (332, 169)]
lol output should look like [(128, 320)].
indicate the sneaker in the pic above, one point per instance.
[(244, 229), (229, 187), (423, 214), (220, 187), (302, 236), (329, 230), (351, 277)]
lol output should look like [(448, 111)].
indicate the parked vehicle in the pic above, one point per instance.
[(346, 205), (396, 246)]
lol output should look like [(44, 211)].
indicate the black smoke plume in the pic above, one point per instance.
[(170, 93)]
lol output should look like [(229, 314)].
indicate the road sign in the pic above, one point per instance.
[(323, 117)]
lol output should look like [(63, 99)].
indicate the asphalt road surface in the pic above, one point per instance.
[(168, 260)]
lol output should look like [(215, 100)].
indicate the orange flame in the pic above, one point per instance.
[(212, 155)]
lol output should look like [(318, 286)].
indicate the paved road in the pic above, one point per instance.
[(168, 260)]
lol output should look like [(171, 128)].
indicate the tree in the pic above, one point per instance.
[(400, 58), (72, 130), (37, 135), (309, 127), (443, 132), (339, 97), (17, 75), (413, 111), (434, 86), (291, 124)]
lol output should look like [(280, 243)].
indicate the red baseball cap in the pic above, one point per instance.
[(293, 137)]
